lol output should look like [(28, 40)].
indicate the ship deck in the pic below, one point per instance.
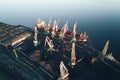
[(12, 35), (86, 56)]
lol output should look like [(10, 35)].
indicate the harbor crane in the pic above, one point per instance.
[(49, 21), (63, 31), (74, 33), (73, 55), (49, 42), (35, 36), (56, 26), (47, 28), (103, 55), (40, 23), (53, 34), (63, 72), (105, 48)]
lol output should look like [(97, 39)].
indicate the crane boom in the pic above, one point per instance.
[(48, 41), (49, 21), (63, 30)]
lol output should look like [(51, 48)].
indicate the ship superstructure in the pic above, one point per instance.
[(13, 35)]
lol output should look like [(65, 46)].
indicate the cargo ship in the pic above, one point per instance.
[(52, 53)]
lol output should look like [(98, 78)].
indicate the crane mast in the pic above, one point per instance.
[(53, 29), (49, 21), (56, 26), (74, 30), (35, 36), (73, 55), (74, 33), (105, 48)]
